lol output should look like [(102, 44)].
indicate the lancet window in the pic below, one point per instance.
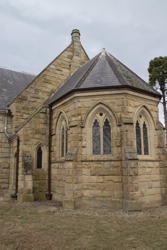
[(63, 139), (142, 136), (62, 132), (39, 157), (101, 135)]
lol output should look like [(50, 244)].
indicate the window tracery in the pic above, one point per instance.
[(62, 133), (142, 135), (101, 134)]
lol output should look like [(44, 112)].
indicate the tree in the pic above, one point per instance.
[(158, 77)]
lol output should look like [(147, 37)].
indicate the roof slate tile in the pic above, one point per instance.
[(103, 71), (11, 84)]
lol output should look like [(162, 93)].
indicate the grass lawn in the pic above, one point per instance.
[(29, 226)]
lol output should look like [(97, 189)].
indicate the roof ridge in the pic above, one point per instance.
[(127, 68), (132, 72), (114, 68), (88, 71)]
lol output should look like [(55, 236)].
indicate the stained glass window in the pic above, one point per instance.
[(39, 157), (96, 137), (62, 141), (106, 137), (145, 139), (138, 138)]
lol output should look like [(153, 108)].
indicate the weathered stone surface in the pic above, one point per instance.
[(80, 179), (119, 177), (30, 118)]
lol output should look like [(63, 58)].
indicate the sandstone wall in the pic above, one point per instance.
[(30, 119), (145, 184), (119, 180), (33, 185), (36, 93), (162, 153)]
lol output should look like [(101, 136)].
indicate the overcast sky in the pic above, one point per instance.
[(34, 32)]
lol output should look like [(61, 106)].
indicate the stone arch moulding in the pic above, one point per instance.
[(61, 122), (62, 115), (145, 110), (100, 107), (91, 116)]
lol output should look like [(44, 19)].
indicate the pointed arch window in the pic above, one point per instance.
[(63, 141), (142, 136), (62, 135), (106, 137), (96, 137), (138, 139), (101, 135), (39, 157), (145, 139)]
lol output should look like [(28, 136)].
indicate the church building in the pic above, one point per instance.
[(84, 133)]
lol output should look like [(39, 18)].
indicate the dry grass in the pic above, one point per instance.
[(30, 226)]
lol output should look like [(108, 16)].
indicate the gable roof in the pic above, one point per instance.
[(11, 83), (101, 72)]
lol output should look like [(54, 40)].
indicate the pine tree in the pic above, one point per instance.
[(158, 77)]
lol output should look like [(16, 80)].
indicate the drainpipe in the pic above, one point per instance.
[(17, 168), (49, 194), (13, 136), (17, 164)]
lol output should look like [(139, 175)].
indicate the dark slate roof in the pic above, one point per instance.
[(11, 84), (103, 71)]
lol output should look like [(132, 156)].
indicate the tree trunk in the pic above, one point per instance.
[(164, 109)]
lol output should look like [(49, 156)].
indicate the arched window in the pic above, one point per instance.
[(101, 135), (138, 138), (106, 137), (39, 157), (63, 141), (61, 135), (96, 137), (143, 140)]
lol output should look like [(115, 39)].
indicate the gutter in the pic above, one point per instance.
[(118, 87)]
